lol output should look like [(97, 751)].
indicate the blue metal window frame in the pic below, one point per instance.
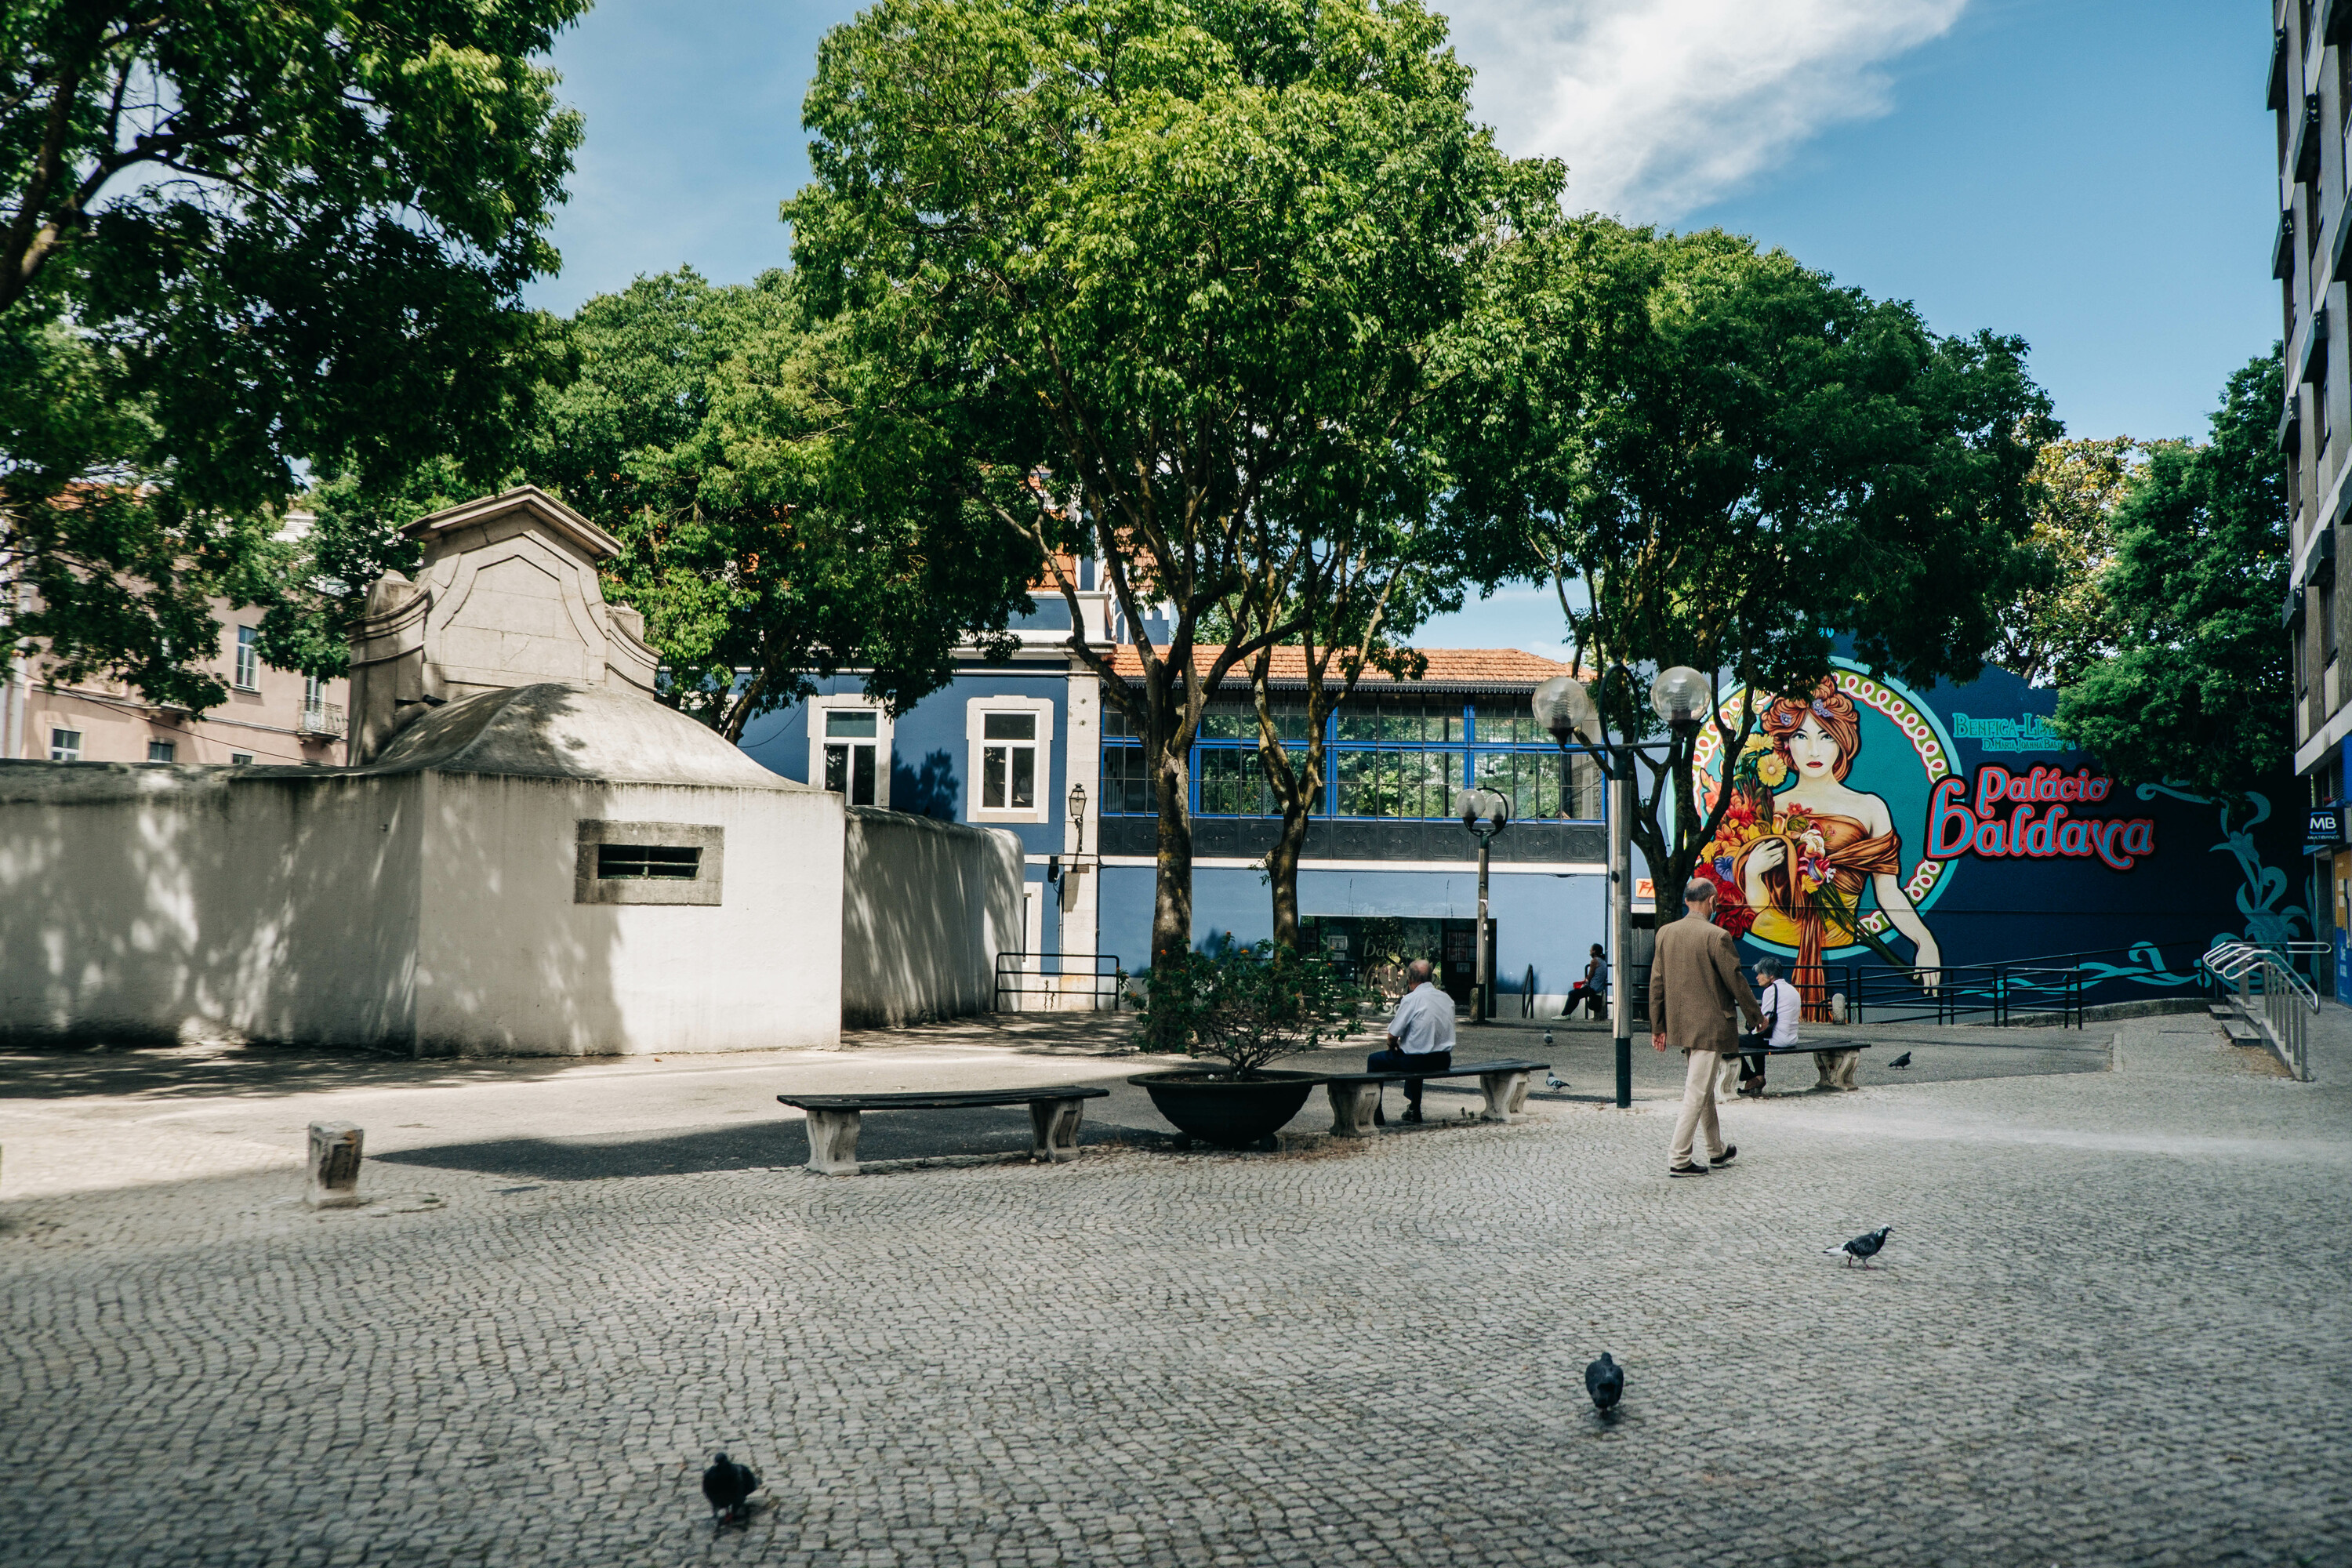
[(1469, 749)]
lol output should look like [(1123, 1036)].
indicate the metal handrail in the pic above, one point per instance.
[(2235, 959), (1103, 978), (2284, 1015)]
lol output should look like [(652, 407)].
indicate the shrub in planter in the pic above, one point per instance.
[(1246, 1006)]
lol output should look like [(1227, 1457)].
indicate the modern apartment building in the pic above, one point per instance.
[(2310, 97)]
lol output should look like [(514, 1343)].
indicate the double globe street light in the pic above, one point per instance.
[(1680, 696), (1484, 814)]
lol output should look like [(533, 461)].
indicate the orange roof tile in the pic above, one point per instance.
[(1457, 669)]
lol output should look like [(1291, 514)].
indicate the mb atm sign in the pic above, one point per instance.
[(2326, 825)]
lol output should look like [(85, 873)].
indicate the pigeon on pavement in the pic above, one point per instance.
[(1902, 1062), (1862, 1248), (1547, 1039), (1555, 1082), (728, 1486), (1605, 1381)]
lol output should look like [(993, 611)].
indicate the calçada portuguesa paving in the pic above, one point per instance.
[(2110, 1326)]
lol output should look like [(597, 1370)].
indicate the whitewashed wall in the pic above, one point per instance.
[(422, 913), (926, 907)]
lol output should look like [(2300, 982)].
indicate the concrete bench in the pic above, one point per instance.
[(1839, 1074), (1356, 1095), (1054, 1112)]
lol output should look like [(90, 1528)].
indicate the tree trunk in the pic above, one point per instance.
[(1282, 867), (1172, 911)]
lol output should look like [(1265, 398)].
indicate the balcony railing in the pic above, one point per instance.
[(322, 718)]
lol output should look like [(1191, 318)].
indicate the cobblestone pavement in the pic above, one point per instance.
[(2111, 1327)]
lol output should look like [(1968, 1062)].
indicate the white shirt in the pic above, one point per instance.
[(1783, 1005), (1424, 1021)]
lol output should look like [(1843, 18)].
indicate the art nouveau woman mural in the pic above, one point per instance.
[(1800, 857)]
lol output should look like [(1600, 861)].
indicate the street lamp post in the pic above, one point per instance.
[(1484, 814), (1562, 706)]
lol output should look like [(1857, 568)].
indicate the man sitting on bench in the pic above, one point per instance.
[(1781, 1006), (1421, 1035)]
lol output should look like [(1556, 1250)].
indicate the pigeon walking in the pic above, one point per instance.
[(1902, 1062), (728, 1486), (1555, 1082), (1605, 1381), (1862, 1248)]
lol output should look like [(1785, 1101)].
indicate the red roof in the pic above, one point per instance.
[(1457, 669)]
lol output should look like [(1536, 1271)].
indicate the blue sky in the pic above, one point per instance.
[(2092, 175)]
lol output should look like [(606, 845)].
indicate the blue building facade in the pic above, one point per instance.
[(1029, 743)]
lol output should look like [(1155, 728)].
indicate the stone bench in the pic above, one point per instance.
[(1839, 1074), (1356, 1095), (1054, 1112)]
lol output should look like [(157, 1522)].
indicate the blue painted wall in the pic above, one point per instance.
[(1541, 919), (929, 757)]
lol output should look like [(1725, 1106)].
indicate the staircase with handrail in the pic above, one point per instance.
[(2273, 1000)]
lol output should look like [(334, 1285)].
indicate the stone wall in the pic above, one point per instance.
[(427, 913), (926, 907)]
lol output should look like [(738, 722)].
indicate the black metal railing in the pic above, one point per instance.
[(1061, 982), (2056, 986)]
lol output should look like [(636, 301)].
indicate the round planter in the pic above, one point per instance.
[(1216, 1109)]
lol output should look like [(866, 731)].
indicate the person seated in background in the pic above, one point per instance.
[(1591, 992), (1782, 1004), (1420, 1037)]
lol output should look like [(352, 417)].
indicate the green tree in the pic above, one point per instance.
[(1720, 459), (2201, 689), (2061, 621), (242, 238), (1360, 579), (706, 428), (700, 426), (1131, 271)]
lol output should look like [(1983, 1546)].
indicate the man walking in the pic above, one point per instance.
[(1694, 989), (1421, 1035)]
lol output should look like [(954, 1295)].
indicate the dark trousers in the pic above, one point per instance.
[(1398, 1061), (1752, 1064)]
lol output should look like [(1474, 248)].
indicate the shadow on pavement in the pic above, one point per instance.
[(885, 1135)]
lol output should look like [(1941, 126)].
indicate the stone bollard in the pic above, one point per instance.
[(332, 1181)]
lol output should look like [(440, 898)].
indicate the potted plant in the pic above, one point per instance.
[(1241, 1007)]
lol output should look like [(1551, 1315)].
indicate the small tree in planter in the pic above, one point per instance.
[(1246, 1006)]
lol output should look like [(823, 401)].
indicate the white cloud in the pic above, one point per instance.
[(1661, 106)]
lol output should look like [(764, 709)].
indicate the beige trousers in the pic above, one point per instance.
[(1699, 1108)]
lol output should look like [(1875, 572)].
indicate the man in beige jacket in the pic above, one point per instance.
[(1693, 988)]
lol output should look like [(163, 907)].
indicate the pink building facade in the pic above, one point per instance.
[(270, 717)]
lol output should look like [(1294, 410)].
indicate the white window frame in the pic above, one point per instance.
[(851, 703), (975, 722), (171, 747), (70, 752), (240, 759), (247, 657)]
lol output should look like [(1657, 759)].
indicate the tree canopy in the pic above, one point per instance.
[(701, 426), (243, 238), (2061, 622), (2199, 690), (1722, 459), (1134, 273)]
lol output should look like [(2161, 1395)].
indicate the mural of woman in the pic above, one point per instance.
[(1802, 845)]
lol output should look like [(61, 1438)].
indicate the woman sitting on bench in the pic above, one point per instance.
[(1591, 992)]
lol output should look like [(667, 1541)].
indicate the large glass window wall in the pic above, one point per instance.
[(1385, 757)]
